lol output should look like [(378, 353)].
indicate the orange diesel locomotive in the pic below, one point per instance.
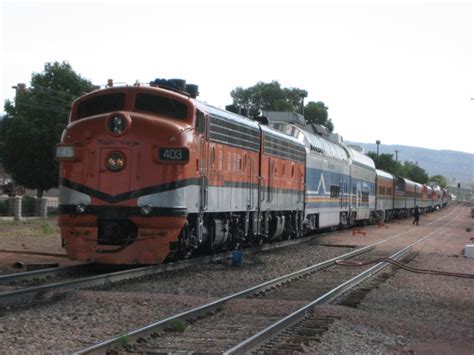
[(149, 172)]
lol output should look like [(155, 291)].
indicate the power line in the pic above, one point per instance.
[(43, 107), (55, 91), (23, 101)]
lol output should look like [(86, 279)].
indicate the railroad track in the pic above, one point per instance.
[(30, 276), (234, 323), (12, 294)]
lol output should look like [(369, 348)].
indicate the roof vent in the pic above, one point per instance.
[(192, 90), (288, 117), (234, 108), (320, 130), (178, 85)]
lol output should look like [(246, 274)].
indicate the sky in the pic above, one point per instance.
[(396, 71)]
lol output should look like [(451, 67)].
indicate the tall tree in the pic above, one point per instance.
[(387, 163), (408, 170), (317, 112), (415, 173), (272, 97), (440, 180), (36, 119), (267, 97)]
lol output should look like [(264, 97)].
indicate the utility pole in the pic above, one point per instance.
[(303, 94)]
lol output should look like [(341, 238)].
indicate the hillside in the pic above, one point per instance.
[(455, 166)]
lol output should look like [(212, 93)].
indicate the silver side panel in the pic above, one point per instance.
[(384, 204), (187, 197), (410, 202), (231, 199), (283, 201), (400, 203), (220, 199), (68, 196), (362, 213), (328, 218)]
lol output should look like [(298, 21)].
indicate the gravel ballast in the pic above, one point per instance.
[(407, 312)]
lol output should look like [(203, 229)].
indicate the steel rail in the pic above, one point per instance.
[(212, 306), (28, 294), (261, 337), (29, 275)]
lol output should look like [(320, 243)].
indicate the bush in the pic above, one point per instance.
[(4, 207), (28, 206)]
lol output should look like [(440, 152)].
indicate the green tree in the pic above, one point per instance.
[(272, 97), (387, 163), (415, 173), (5, 123), (267, 97), (317, 112), (440, 180), (36, 119), (408, 170)]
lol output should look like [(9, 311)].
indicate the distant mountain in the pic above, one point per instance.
[(455, 166)]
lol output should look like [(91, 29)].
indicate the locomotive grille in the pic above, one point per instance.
[(116, 232)]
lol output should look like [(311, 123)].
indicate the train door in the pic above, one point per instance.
[(203, 148), (252, 214), (343, 188), (251, 180), (271, 173)]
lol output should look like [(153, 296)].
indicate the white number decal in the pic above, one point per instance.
[(173, 154)]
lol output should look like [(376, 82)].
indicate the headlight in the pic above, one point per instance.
[(81, 208), (65, 152), (115, 162), (116, 123), (146, 210)]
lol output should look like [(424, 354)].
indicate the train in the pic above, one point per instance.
[(149, 173)]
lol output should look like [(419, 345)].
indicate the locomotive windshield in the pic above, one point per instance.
[(101, 104), (161, 105)]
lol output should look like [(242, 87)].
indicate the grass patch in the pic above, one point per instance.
[(123, 341), (175, 325), (30, 228), (47, 229)]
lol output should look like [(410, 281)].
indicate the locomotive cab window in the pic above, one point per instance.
[(101, 104), (200, 122), (161, 105)]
